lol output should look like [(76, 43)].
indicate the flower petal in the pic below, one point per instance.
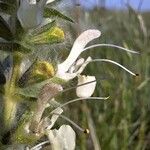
[(32, 1), (61, 139), (55, 117), (78, 48), (88, 89), (49, 1), (77, 65), (80, 70), (75, 70)]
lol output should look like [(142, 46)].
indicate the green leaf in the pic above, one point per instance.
[(43, 28), (33, 90), (15, 46), (24, 47), (50, 12), (24, 79), (5, 31)]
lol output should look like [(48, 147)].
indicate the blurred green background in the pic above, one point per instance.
[(123, 121)]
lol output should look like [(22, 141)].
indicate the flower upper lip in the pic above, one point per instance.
[(78, 47)]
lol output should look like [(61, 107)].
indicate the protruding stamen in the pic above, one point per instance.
[(39, 145), (72, 122), (79, 99), (111, 45), (113, 62)]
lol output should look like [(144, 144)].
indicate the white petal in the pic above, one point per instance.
[(80, 70), (80, 62), (77, 70), (68, 136), (50, 1), (32, 1), (25, 64), (88, 89), (55, 117), (66, 76), (62, 139), (78, 48), (76, 65)]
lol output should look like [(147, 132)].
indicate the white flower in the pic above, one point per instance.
[(85, 90), (30, 13), (62, 139), (69, 69)]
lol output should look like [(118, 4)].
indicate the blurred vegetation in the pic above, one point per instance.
[(123, 121)]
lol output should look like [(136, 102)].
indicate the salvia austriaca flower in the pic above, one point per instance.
[(73, 67)]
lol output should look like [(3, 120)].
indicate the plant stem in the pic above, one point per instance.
[(10, 101)]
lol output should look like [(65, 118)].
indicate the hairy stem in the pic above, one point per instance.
[(10, 102)]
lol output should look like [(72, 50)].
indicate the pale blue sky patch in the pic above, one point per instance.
[(110, 4), (121, 4)]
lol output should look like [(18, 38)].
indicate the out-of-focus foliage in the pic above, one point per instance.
[(122, 122)]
